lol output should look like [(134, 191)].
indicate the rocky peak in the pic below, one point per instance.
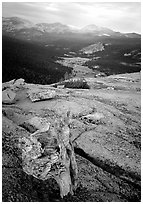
[(15, 23), (95, 28), (53, 27)]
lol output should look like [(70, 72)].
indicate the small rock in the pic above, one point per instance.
[(8, 96), (110, 88), (61, 86), (38, 96), (94, 117)]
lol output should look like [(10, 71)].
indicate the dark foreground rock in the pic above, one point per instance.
[(104, 128)]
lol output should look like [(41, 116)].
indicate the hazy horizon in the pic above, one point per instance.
[(123, 17)]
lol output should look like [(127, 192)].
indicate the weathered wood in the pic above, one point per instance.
[(50, 154)]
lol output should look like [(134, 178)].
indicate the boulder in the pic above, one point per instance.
[(36, 95), (7, 84), (13, 84), (94, 118), (19, 83), (36, 123), (8, 96)]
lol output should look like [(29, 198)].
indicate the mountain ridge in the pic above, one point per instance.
[(11, 24)]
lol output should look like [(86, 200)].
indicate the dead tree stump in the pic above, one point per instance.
[(50, 154)]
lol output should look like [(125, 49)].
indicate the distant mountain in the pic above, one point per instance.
[(103, 31), (53, 27), (15, 23), (19, 26), (132, 35), (96, 29)]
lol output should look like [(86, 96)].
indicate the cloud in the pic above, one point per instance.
[(124, 17)]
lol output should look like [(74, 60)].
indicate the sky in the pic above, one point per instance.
[(118, 16)]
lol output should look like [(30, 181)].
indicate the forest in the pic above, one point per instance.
[(33, 62)]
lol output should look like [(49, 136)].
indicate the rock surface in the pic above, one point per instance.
[(19, 83), (36, 123), (13, 84), (105, 129), (7, 84), (8, 96), (94, 118), (35, 95)]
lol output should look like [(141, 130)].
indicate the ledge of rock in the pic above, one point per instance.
[(111, 153), (35, 95)]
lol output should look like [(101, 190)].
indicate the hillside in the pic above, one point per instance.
[(36, 60), (105, 129), (32, 61), (93, 48)]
